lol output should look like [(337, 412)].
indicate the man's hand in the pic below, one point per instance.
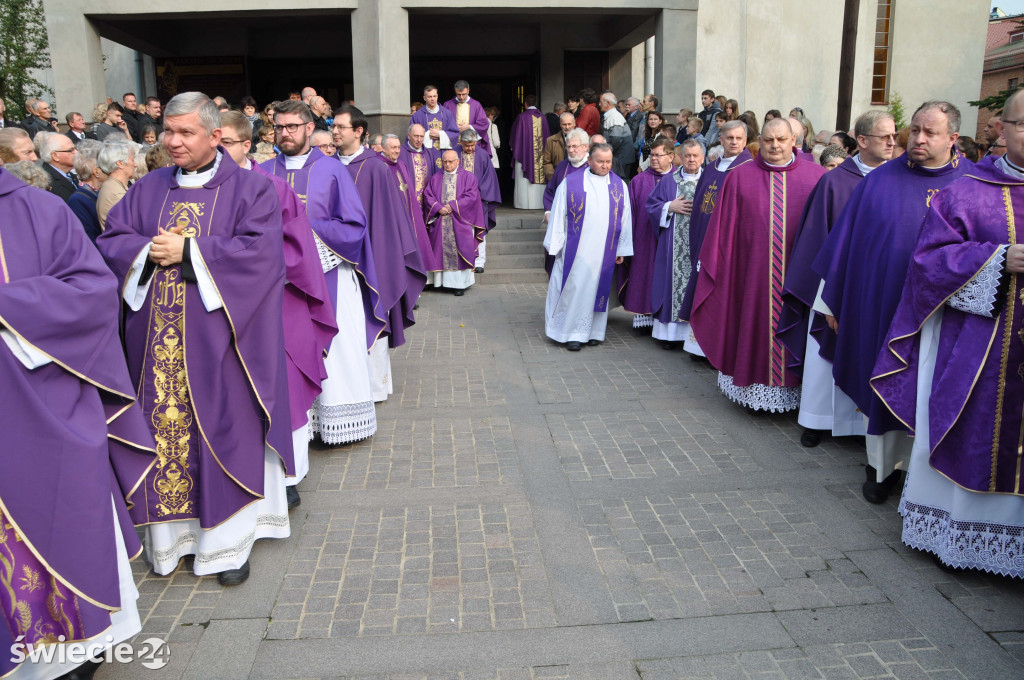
[(434, 134), (123, 125), (167, 247), (463, 127), (832, 323), (445, 210), (681, 206), (620, 259), (1015, 259)]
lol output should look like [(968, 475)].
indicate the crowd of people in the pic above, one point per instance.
[(868, 279)]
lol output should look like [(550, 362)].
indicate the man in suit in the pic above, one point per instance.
[(39, 121), (554, 146), (556, 113), (151, 116), (58, 156), (130, 115), (76, 127), (5, 122)]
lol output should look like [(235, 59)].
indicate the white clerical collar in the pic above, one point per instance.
[(1009, 167), (433, 110), (192, 179), (784, 165), (413, 148), (345, 160), (687, 177), (248, 165), (531, 107), (864, 167), (296, 162), (450, 174), (581, 162), (599, 178), (724, 163)]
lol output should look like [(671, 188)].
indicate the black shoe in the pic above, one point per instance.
[(415, 306), (810, 438), (948, 568), (83, 672), (593, 343), (572, 346), (294, 500), (668, 345), (459, 293), (234, 577), (479, 270), (878, 492), (698, 358)]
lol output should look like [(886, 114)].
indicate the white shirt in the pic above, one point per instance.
[(296, 162), (345, 160)]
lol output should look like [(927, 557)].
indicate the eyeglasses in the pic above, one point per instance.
[(891, 138), (661, 155), (71, 150), (290, 127), (342, 127), (325, 147), (1017, 124), (230, 142)]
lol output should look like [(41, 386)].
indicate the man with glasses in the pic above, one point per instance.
[(58, 154), (864, 264), (324, 140), (421, 161), (554, 146), (824, 407)]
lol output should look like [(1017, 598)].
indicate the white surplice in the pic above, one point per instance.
[(569, 312)]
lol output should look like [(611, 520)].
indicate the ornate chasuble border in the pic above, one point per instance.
[(1004, 356), (777, 275), (538, 150)]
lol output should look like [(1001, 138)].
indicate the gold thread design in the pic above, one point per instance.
[(538, 150)]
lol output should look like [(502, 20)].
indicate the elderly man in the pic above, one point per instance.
[(391, 151), (39, 121), (589, 232), (672, 264), (487, 183), (205, 236), (577, 148), (529, 130), (554, 146), (615, 130), (16, 145), (83, 201), (469, 113), (117, 161), (822, 405), (76, 127), (950, 367), (864, 265), (799, 133), (636, 273), (744, 257), (442, 131), (76, 449), (344, 411), (58, 154), (635, 115), (421, 161), (455, 218), (324, 140)]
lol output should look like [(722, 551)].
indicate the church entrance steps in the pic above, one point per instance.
[(515, 248)]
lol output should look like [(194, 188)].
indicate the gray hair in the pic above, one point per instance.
[(38, 140), (468, 135), (866, 121), (50, 143), (693, 142), (376, 139), (832, 151), (390, 136), (732, 125), (952, 113), (461, 85), (578, 134), (114, 152), (610, 98), (572, 117), (29, 173), (601, 146), (559, 106), (320, 133), (141, 168), (716, 152), (85, 159), (632, 100), (192, 102)]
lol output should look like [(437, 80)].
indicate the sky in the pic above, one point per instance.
[(1009, 6)]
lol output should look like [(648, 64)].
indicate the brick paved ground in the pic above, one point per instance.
[(525, 513)]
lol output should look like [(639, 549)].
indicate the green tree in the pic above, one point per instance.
[(996, 102), (896, 110), (23, 47)]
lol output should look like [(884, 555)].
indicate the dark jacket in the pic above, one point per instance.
[(707, 117), (83, 204), (35, 125), (60, 185)]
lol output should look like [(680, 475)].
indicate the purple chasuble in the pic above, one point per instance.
[(213, 416), (974, 409), (823, 208), (454, 237), (405, 184), (704, 200), (529, 130), (336, 214), (400, 273), (73, 436), (564, 169), (308, 315), (477, 119), (743, 259), (637, 272), (421, 164), (672, 264), (576, 209), (487, 183), (864, 263), (442, 121)]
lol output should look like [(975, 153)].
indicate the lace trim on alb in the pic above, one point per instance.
[(978, 296), (760, 397), (327, 258), (642, 320), (995, 548), (342, 423), (187, 543)]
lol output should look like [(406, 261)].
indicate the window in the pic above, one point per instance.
[(1016, 36), (1014, 82), (882, 54)]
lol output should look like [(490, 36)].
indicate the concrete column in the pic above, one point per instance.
[(637, 89), (620, 73), (77, 59), (380, 44), (648, 48), (552, 64), (675, 53)]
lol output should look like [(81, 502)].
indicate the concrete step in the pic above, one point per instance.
[(514, 247), (498, 234), (511, 275), (510, 218), (515, 261)]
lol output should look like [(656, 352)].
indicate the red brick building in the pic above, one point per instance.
[(1004, 61)]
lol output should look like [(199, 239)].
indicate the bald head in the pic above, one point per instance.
[(416, 134), (797, 128), (782, 124), (450, 161), (776, 142)]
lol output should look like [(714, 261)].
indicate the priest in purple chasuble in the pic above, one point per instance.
[(400, 273), (529, 130), (742, 267), (952, 363), (469, 113), (577, 144), (392, 146), (344, 410), (823, 406), (455, 218), (635, 274), (76, 447), (589, 232), (198, 249), (672, 265), (438, 122), (307, 312), (734, 140), (487, 183), (864, 265)]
